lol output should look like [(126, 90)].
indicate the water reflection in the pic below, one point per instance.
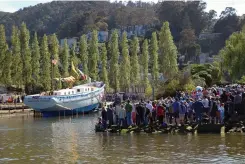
[(73, 140)]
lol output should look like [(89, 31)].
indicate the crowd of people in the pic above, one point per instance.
[(210, 105)]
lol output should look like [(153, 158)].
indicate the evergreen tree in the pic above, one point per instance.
[(73, 56), (104, 74), (154, 59), (35, 61), (144, 61), (167, 52), (3, 52), (6, 74), (17, 64), (45, 65), (93, 56), (64, 57), (135, 72), (114, 72), (54, 52), (83, 53), (125, 64), (26, 55)]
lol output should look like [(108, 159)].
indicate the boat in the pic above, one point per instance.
[(75, 100)]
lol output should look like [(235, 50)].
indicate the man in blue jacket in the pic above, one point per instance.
[(198, 108)]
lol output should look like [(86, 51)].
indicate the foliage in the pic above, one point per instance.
[(134, 76), (242, 80), (125, 64), (73, 57), (3, 49), (104, 73), (35, 59), (114, 68), (64, 57), (45, 65), (154, 58), (167, 52), (17, 64), (26, 54), (148, 91), (83, 53), (6, 74), (54, 52), (93, 56), (207, 73), (144, 63)]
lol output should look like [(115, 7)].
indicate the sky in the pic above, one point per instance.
[(217, 5)]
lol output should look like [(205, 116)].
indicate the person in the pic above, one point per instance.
[(190, 109), (198, 108), (154, 113), (237, 102), (117, 109), (140, 111), (148, 112), (133, 113), (206, 105), (104, 117), (224, 97), (160, 113), (176, 109), (221, 112), (129, 109), (182, 112), (110, 115), (121, 115), (213, 110)]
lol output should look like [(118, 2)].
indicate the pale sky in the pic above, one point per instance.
[(217, 5)]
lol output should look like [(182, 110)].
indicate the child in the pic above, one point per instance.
[(222, 113)]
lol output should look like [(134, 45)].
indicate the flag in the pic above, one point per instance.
[(54, 61)]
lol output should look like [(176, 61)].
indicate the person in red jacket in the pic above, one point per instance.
[(160, 113)]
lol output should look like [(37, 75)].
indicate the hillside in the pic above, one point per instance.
[(187, 20)]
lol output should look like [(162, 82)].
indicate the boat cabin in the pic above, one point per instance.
[(74, 90)]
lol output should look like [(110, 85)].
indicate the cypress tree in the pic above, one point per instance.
[(114, 72), (73, 56), (6, 74), (64, 57), (54, 52), (83, 53), (45, 65), (93, 56), (3, 51), (17, 64), (125, 64), (167, 52), (145, 60), (104, 74), (35, 61), (154, 58), (26, 55), (135, 75)]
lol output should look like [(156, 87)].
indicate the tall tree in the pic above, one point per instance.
[(125, 64), (83, 53), (45, 65), (73, 56), (3, 50), (54, 52), (154, 58), (35, 61), (93, 56), (17, 64), (167, 52), (64, 57), (135, 72), (114, 70), (104, 73), (26, 55), (145, 61), (6, 74)]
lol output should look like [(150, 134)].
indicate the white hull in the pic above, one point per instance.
[(80, 102)]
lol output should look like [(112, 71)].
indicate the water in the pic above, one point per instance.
[(73, 140)]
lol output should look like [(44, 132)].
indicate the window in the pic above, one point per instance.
[(78, 90), (64, 93), (69, 93), (72, 92)]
